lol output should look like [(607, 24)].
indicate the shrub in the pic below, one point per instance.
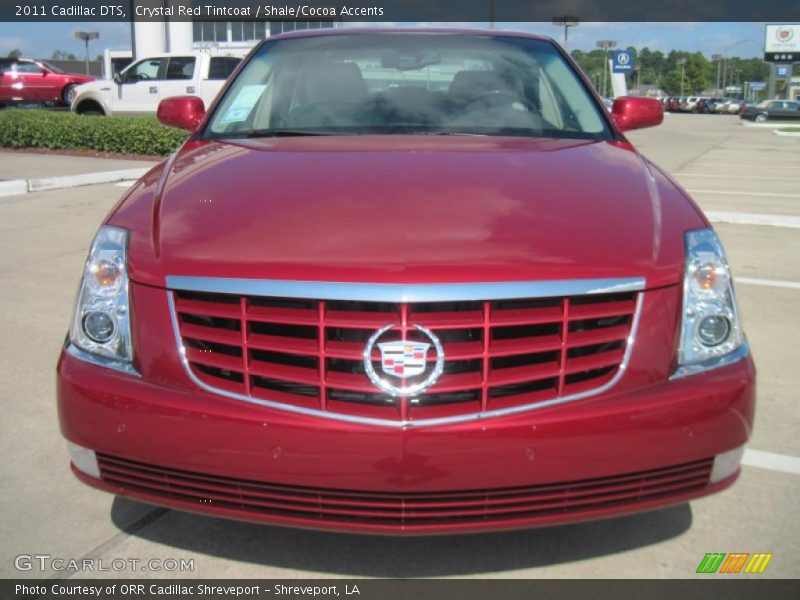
[(32, 128)]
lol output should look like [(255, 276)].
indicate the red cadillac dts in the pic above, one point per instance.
[(407, 282)]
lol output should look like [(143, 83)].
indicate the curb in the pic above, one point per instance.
[(24, 186), (787, 133)]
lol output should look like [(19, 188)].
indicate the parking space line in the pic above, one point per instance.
[(742, 218), (749, 166), (794, 285), (725, 176), (733, 193), (771, 461)]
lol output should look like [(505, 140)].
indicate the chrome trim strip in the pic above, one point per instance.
[(478, 416), (399, 292), (741, 352), (100, 361)]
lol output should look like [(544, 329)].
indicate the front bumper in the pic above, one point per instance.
[(612, 454)]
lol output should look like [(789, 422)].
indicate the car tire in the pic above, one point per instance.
[(68, 93), (761, 118)]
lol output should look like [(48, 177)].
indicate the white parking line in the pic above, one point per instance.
[(771, 461), (725, 176), (731, 193), (793, 285), (741, 218), (748, 167)]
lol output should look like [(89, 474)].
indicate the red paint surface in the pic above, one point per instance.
[(406, 209)]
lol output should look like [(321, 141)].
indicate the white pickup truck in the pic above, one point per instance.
[(139, 88)]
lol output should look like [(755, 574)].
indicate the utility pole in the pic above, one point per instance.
[(566, 22), (682, 63), (605, 45), (718, 59), (86, 36)]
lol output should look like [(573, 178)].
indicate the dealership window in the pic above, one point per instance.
[(245, 31), (208, 33), (277, 27)]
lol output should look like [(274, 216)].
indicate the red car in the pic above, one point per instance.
[(407, 282), (25, 80)]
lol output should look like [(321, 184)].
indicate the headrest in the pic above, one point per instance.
[(335, 82)]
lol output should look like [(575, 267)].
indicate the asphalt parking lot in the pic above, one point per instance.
[(740, 175)]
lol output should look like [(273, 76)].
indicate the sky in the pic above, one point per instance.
[(39, 40)]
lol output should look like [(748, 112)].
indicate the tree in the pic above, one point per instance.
[(62, 55), (15, 53)]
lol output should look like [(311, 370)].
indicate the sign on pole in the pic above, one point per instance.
[(622, 62)]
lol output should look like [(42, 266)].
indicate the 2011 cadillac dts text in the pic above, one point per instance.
[(407, 282)]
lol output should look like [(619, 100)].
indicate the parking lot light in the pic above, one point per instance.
[(566, 22), (86, 36)]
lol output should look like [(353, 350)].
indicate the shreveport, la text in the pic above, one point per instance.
[(179, 589)]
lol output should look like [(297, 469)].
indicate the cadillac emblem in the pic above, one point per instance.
[(403, 359)]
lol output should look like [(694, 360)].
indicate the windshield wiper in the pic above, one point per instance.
[(257, 133)]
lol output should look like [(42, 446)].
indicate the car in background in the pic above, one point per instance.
[(706, 105), (390, 268), (688, 104), (734, 107), (138, 89), (673, 103), (767, 110), (27, 80)]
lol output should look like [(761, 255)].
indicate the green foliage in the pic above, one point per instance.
[(67, 131), (699, 73), (15, 53), (62, 55)]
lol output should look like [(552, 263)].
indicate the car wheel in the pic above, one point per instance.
[(761, 118), (68, 94)]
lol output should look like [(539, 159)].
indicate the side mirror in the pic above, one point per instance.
[(630, 112), (183, 112), (117, 78), (44, 71)]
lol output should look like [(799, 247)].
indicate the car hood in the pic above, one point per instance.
[(406, 209)]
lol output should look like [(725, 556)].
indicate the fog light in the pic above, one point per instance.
[(726, 464), (713, 330), (98, 326), (85, 460)]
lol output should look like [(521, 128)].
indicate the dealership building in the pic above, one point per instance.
[(150, 38)]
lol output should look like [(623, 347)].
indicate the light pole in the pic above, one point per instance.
[(717, 58), (725, 49), (682, 63), (566, 22), (605, 45), (86, 36), (638, 70)]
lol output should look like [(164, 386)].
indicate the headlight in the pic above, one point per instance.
[(711, 329), (101, 326)]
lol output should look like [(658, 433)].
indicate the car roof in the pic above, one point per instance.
[(415, 30)]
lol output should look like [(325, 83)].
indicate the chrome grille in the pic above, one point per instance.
[(307, 354)]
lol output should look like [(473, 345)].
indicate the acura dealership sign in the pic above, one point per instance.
[(782, 43)]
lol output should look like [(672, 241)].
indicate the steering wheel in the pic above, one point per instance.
[(493, 98)]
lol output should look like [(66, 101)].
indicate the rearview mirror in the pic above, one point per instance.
[(183, 112), (630, 112)]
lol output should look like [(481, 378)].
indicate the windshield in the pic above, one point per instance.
[(53, 68), (408, 83)]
